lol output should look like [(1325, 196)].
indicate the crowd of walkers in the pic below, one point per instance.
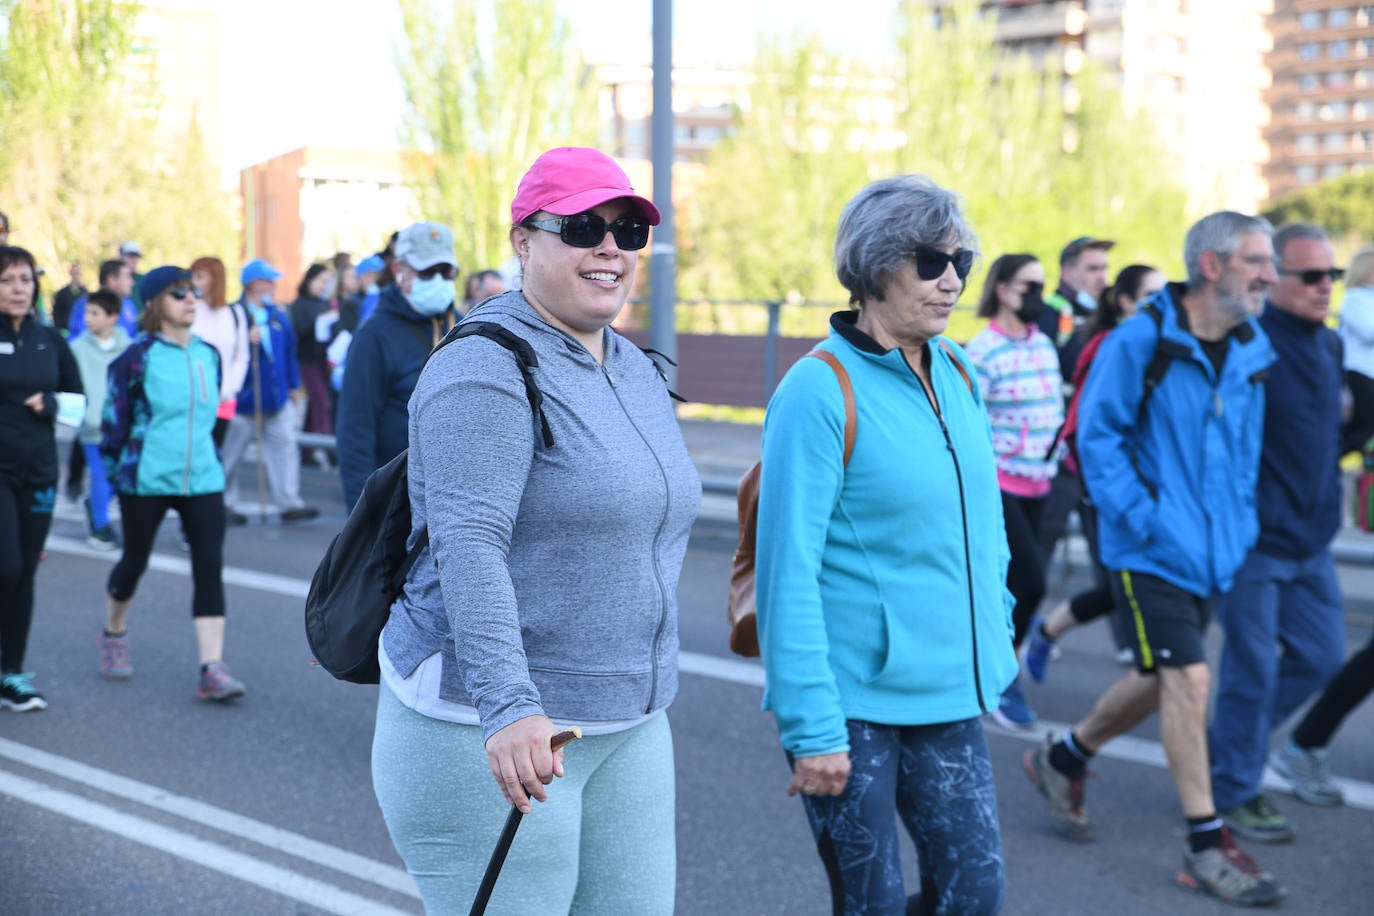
[(912, 495)]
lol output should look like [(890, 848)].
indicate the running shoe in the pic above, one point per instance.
[(1228, 872), (1258, 820), (217, 684), (1306, 771), (17, 693), (1038, 651), (1012, 710), (103, 539), (1063, 796), (116, 658)]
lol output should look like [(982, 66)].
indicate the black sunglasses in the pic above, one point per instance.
[(1313, 277), (931, 263), (587, 230), (181, 292), (447, 271)]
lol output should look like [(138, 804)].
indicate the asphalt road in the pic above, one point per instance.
[(133, 798)]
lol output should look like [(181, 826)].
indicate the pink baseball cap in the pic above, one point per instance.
[(574, 179)]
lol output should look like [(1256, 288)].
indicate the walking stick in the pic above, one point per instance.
[(257, 428), (498, 855)]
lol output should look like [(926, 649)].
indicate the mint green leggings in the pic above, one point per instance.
[(603, 843)]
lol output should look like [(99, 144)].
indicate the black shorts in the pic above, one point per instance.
[(1164, 624)]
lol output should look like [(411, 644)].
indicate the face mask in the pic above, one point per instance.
[(431, 297), (1031, 304), (372, 289), (1086, 302)]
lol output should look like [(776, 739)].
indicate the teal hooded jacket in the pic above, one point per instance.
[(881, 585), (160, 406)]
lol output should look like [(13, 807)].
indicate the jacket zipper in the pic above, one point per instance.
[(190, 420), (658, 537), (963, 513)]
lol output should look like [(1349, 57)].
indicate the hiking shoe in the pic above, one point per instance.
[(103, 539), (300, 514), (1012, 710), (17, 693), (1228, 872), (1306, 772), (1063, 796), (216, 683), (1258, 820), (1038, 652), (116, 658)]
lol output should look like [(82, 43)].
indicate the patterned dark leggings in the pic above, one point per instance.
[(938, 779)]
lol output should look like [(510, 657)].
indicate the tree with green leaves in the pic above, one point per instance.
[(489, 87), (1343, 206)]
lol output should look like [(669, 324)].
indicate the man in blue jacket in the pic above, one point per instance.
[(1286, 594), (389, 349), (267, 402), (1171, 422)]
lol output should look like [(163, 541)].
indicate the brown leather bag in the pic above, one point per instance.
[(744, 633)]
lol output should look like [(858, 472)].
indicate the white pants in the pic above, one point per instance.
[(279, 455)]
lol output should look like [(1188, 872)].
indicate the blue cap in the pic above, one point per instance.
[(373, 263), (155, 281), (258, 269)]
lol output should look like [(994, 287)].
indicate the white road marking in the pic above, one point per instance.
[(193, 849), (294, 844), (736, 671)]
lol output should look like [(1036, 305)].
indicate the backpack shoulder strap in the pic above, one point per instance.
[(958, 363), (851, 418), (525, 359), (1159, 363)]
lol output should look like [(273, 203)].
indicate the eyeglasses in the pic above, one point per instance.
[(180, 292), (447, 271), (931, 263), (1313, 277), (587, 230)]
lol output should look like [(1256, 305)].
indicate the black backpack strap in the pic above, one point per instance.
[(654, 357), (525, 358)]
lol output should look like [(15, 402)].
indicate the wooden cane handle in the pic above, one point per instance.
[(566, 737)]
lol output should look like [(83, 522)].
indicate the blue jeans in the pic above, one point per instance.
[(938, 778), (101, 493), (1285, 639)]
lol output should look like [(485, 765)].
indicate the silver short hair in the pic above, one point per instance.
[(1293, 232), (1221, 232), (888, 220)]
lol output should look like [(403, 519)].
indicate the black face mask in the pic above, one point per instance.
[(1031, 303)]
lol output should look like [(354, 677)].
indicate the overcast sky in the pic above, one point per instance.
[(324, 73)]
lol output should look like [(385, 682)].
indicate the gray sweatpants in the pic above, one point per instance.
[(280, 456), (603, 843)]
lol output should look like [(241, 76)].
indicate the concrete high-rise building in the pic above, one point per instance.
[(1322, 97), (1194, 68)]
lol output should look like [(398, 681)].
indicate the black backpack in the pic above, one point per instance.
[(364, 568)]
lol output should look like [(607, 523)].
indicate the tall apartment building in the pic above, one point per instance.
[(1195, 68), (1322, 97)]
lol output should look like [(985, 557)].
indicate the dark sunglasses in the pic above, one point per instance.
[(180, 292), (587, 230), (931, 263), (447, 271), (1313, 277)]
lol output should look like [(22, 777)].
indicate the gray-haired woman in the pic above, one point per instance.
[(884, 625)]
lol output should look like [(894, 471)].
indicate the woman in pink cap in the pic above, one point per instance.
[(546, 597)]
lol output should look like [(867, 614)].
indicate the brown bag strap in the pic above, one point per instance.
[(958, 363), (851, 420)]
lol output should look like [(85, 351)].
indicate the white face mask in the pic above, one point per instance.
[(1085, 301), (431, 297)]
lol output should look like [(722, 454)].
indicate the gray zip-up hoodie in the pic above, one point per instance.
[(555, 586)]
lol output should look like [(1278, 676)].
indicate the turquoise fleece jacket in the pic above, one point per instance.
[(881, 585)]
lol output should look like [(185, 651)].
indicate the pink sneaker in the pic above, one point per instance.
[(116, 660), (216, 683)]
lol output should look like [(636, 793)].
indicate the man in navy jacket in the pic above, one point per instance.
[(1172, 469), (388, 351), (1286, 594)]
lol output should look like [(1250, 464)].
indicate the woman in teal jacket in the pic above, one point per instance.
[(158, 446), (884, 622)]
